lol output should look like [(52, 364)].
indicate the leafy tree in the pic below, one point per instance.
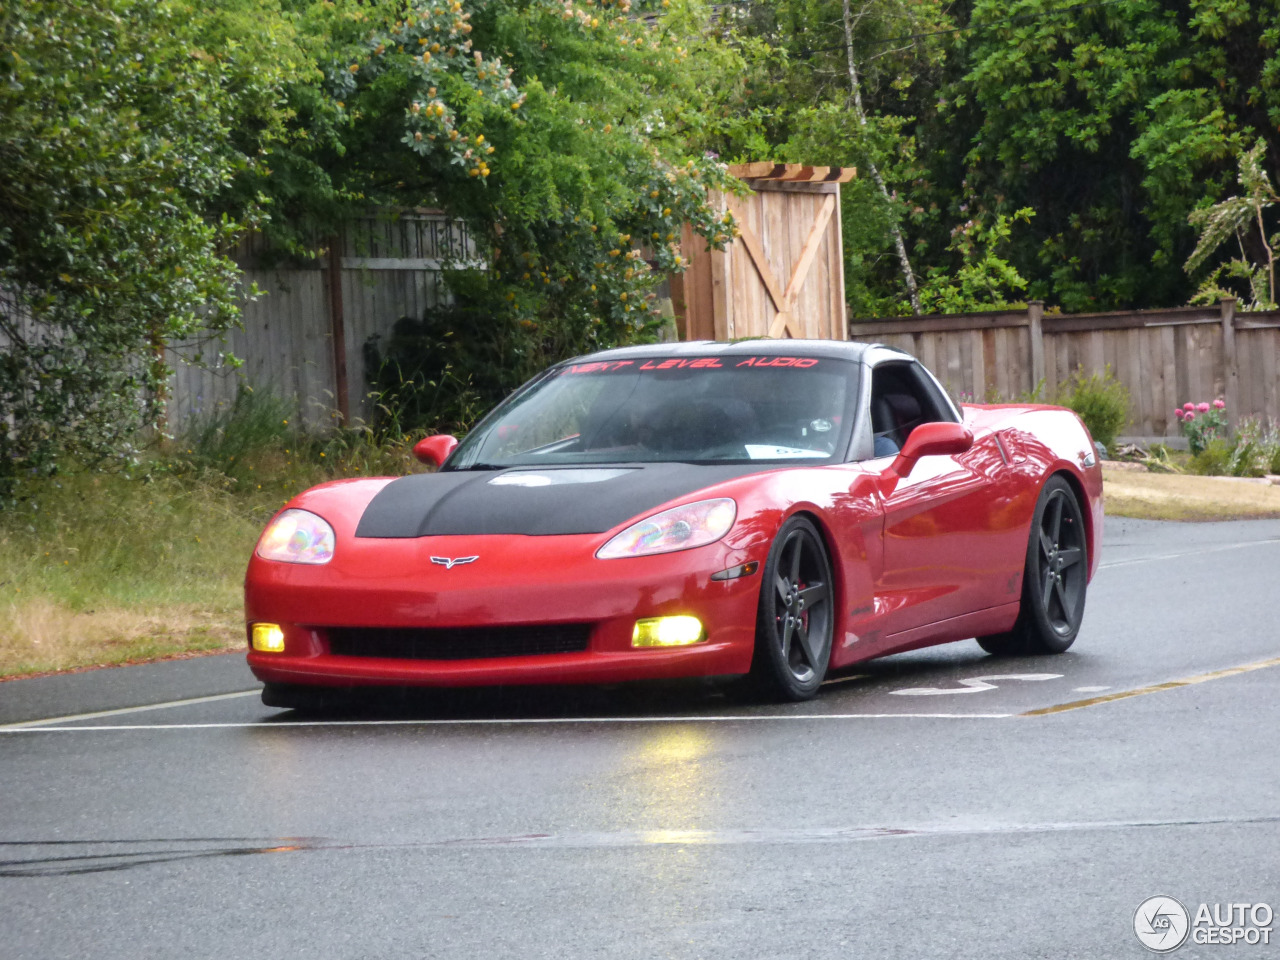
[(980, 279), (549, 127), (1113, 121), (1240, 219), (118, 126)]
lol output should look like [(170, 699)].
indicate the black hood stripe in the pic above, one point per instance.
[(455, 503)]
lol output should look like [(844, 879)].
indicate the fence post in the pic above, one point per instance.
[(1230, 371), (337, 328), (1035, 316)]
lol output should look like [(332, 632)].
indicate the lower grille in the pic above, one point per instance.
[(458, 643)]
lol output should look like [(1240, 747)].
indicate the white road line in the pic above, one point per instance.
[(494, 721), (1189, 553), (33, 724)]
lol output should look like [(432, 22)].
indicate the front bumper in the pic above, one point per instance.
[(516, 581)]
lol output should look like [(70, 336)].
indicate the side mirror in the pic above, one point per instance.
[(935, 440), (435, 449), (926, 440)]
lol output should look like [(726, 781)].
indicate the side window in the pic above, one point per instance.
[(902, 398)]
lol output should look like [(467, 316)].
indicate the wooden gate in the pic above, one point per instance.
[(784, 276)]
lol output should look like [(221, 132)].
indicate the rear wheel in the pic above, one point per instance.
[(796, 616), (1054, 581)]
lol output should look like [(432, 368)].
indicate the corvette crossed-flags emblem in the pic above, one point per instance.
[(450, 562)]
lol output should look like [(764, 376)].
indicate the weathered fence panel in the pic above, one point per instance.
[(387, 268), (1163, 357)]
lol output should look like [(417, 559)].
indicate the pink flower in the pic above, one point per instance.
[(1177, 412), (1219, 405), (1188, 405), (1188, 416), (1203, 408)]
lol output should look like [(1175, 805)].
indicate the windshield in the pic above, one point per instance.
[(712, 409)]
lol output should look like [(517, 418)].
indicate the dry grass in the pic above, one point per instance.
[(43, 636), (107, 567), (1165, 496)]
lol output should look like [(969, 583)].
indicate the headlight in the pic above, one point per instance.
[(680, 528), (297, 536)]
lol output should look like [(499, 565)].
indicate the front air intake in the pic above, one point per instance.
[(458, 643)]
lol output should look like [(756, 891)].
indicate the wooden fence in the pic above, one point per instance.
[(1163, 357), (304, 338)]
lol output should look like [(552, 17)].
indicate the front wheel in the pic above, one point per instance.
[(796, 616), (1054, 581)]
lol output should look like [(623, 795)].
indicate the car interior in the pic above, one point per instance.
[(902, 399)]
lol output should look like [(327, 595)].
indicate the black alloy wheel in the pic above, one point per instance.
[(795, 624), (1055, 578)]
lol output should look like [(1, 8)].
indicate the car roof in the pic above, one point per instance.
[(834, 349)]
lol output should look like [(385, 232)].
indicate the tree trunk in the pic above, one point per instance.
[(855, 91)]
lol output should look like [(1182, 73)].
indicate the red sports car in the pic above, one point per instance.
[(768, 508)]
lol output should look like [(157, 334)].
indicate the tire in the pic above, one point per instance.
[(796, 616), (1054, 579)]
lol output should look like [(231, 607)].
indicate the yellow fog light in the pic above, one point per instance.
[(667, 632), (268, 638)]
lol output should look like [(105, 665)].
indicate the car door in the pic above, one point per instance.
[(939, 558)]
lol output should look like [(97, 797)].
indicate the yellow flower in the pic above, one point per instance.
[(354, 68), (426, 56), (666, 211), (479, 138), (488, 150), (614, 253), (653, 194), (622, 297)]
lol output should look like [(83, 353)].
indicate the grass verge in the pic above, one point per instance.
[(1166, 496), (100, 568), (105, 569)]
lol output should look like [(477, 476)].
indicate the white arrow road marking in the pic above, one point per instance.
[(972, 685)]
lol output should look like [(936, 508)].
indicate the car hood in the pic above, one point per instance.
[(535, 501)]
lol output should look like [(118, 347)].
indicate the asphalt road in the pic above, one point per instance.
[(913, 810)]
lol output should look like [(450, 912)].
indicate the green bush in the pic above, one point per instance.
[(1257, 448), (1101, 401), (1214, 460)]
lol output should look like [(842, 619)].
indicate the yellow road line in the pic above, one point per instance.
[(1153, 688)]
